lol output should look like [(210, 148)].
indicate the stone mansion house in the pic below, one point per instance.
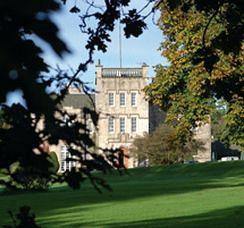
[(124, 112)]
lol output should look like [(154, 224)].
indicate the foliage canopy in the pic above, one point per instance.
[(162, 147), (204, 47), (23, 68)]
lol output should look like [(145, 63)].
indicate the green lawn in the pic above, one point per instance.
[(199, 195)]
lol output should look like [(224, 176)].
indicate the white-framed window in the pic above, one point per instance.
[(133, 124), (122, 124), (111, 99), (122, 99), (63, 158), (65, 165), (65, 154), (110, 124), (133, 99)]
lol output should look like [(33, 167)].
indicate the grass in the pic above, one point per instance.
[(196, 195)]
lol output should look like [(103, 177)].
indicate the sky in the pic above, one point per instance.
[(135, 51)]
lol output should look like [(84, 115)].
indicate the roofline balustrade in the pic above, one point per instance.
[(121, 72)]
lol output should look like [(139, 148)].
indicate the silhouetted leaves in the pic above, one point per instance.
[(27, 130), (185, 88), (93, 114), (23, 219), (74, 178), (134, 25), (74, 9)]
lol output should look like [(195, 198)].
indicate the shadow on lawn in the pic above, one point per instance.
[(224, 218), (73, 216), (140, 183), (229, 217)]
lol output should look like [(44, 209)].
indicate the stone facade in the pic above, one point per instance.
[(123, 112), (73, 103), (203, 135), (120, 101)]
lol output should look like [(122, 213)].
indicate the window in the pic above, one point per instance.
[(133, 99), (65, 165), (122, 99), (63, 158), (110, 124), (68, 163), (65, 154), (122, 124), (110, 99), (133, 124)]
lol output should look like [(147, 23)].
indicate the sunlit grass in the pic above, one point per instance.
[(199, 195)]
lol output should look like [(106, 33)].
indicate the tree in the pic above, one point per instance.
[(162, 147), (24, 218), (23, 68), (203, 44), (194, 51)]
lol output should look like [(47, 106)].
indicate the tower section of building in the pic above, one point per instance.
[(123, 110)]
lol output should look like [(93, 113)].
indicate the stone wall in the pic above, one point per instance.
[(149, 117), (203, 135), (116, 81)]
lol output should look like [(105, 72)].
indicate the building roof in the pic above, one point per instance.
[(78, 101)]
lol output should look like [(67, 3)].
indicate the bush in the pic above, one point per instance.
[(32, 178), (163, 147)]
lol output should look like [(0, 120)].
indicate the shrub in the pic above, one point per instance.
[(163, 147)]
